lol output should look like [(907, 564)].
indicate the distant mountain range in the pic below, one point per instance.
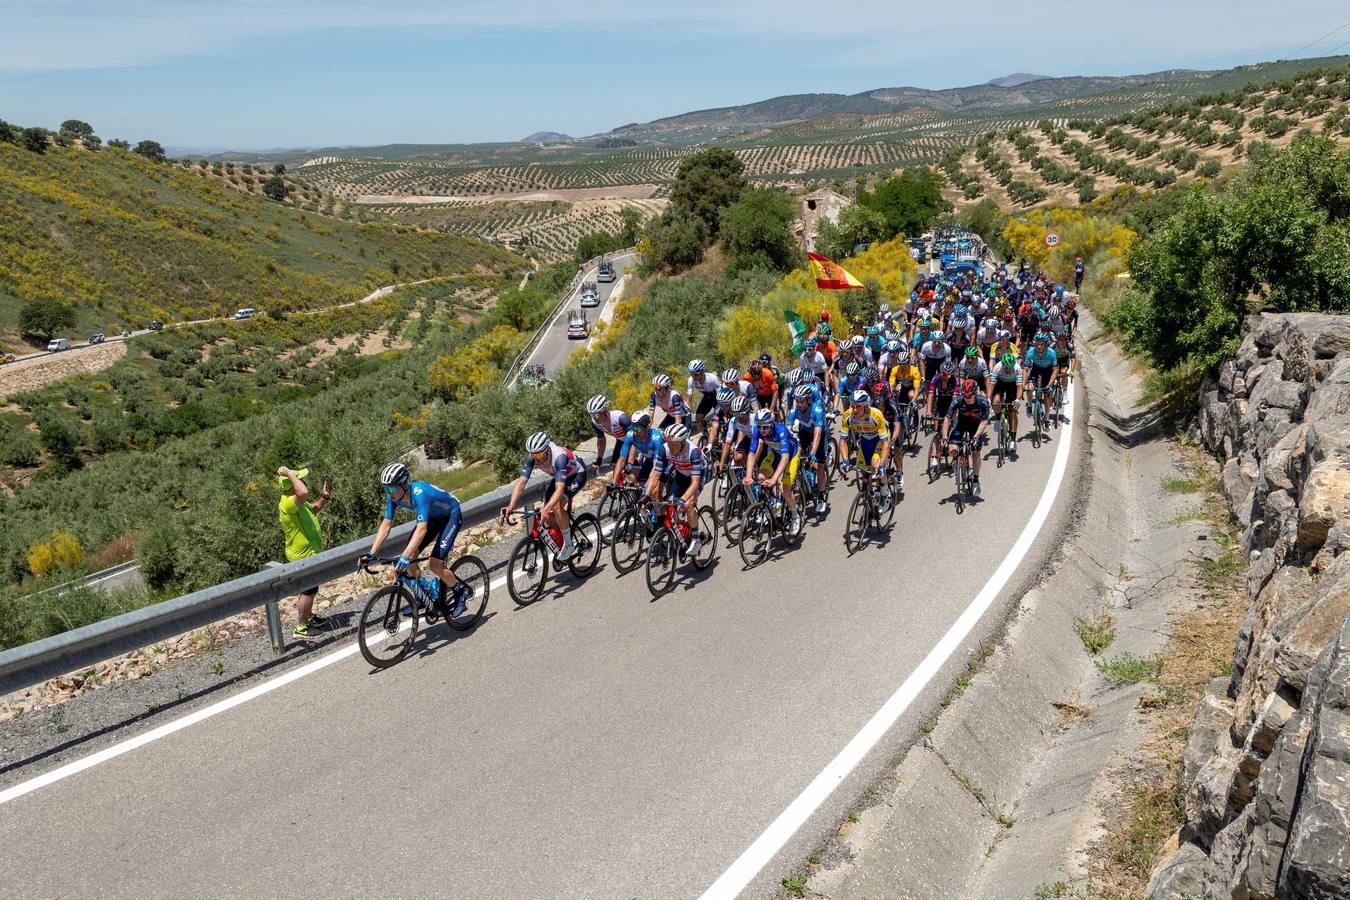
[(1011, 93), (547, 137)]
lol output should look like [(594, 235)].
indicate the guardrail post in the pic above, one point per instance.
[(273, 607)]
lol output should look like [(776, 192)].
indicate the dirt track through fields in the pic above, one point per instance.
[(28, 375)]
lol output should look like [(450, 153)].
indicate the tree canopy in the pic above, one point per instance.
[(151, 150), (756, 231), (706, 183), (276, 188), (908, 202), (857, 225), (76, 128), (44, 318)]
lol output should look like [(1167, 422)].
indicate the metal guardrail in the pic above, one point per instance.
[(89, 579), (514, 369), (82, 647)]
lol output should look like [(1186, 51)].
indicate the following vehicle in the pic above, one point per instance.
[(590, 294), (246, 312), (606, 271), (577, 326), (156, 325), (97, 338), (56, 345)]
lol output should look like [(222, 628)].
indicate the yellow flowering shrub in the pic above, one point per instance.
[(63, 551)]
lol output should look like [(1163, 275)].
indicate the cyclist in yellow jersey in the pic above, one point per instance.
[(866, 427)]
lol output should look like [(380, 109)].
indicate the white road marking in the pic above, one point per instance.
[(201, 715), (789, 821)]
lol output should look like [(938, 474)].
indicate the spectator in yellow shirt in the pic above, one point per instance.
[(296, 512)]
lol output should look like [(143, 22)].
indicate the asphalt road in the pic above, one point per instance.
[(594, 744), (555, 347)]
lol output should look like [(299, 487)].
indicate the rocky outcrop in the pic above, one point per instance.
[(1266, 768)]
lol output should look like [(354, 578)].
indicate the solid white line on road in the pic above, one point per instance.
[(206, 712), (789, 821)]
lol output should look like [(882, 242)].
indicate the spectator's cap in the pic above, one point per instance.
[(284, 481)]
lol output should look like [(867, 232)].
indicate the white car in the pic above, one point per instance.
[(590, 295), (57, 344), (247, 312), (577, 326)]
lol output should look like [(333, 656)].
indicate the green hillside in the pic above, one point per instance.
[(126, 240)]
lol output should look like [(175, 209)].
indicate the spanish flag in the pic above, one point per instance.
[(830, 276)]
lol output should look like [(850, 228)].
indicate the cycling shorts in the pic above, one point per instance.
[(904, 395), (1040, 375), (441, 533), (706, 405), (643, 468), (805, 436), (959, 434), (574, 483), (677, 484), (1005, 390), (770, 464), (867, 448)]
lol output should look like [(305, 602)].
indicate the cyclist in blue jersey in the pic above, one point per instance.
[(715, 422), (607, 425), (438, 519), (807, 420), (852, 382), (1041, 362), (639, 448), (774, 444), (683, 468), (569, 477)]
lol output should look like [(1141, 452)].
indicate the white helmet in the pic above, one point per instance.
[(597, 404), (537, 443), (641, 418), (661, 381), (677, 433), (696, 366), (394, 475), (732, 374), (764, 417), (741, 405)]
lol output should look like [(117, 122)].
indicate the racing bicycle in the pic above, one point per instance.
[(528, 568), (389, 621)]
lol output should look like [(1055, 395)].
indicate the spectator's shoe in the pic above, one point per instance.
[(462, 595), (317, 621), (304, 631)]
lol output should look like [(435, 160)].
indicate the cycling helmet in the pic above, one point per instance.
[(597, 404), (872, 373), (677, 433), (641, 418), (1072, 303), (732, 374), (764, 418), (968, 388), (725, 395), (1041, 336), (1009, 360), (822, 331), (661, 381), (947, 367), (394, 475), (796, 377), (804, 392), (903, 357), (808, 346), (537, 443), (892, 346), (767, 359), (1004, 334), (696, 366), (972, 352), (755, 368), (861, 397), (853, 368), (1059, 289), (924, 313), (873, 330), (958, 323), (937, 335), (914, 295), (885, 308)]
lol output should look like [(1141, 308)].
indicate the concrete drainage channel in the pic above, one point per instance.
[(1004, 789)]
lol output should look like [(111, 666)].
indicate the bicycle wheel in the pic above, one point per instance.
[(855, 529), (960, 479), (608, 512), (471, 571), (586, 544), (707, 527), (755, 531), (934, 461), (1037, 423), (733, 512), (384, 632), (527, 571), (626, 541), (885, 513), (662, 558)]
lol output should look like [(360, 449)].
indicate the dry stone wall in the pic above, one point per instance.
[(1267, 763)]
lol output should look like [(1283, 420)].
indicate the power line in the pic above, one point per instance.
[(1320, 40), (1333, 51)]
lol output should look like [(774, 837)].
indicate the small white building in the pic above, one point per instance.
[(815, 206)]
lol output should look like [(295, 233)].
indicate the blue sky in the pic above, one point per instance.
[(254, 74)]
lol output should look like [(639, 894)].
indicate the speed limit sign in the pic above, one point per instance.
[(1051, 239)]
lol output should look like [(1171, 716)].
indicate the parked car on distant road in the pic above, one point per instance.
[(55, 345), (246, 312), (577, 326), (97, 338), (155, 326), (6, 358)]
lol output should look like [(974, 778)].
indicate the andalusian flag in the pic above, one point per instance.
[(798, 330), (830, 276)]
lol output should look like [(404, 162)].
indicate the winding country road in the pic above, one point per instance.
[(555, 348)]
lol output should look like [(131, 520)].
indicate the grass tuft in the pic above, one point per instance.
[(793, 886), (1096, 633), (1130, 669)]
